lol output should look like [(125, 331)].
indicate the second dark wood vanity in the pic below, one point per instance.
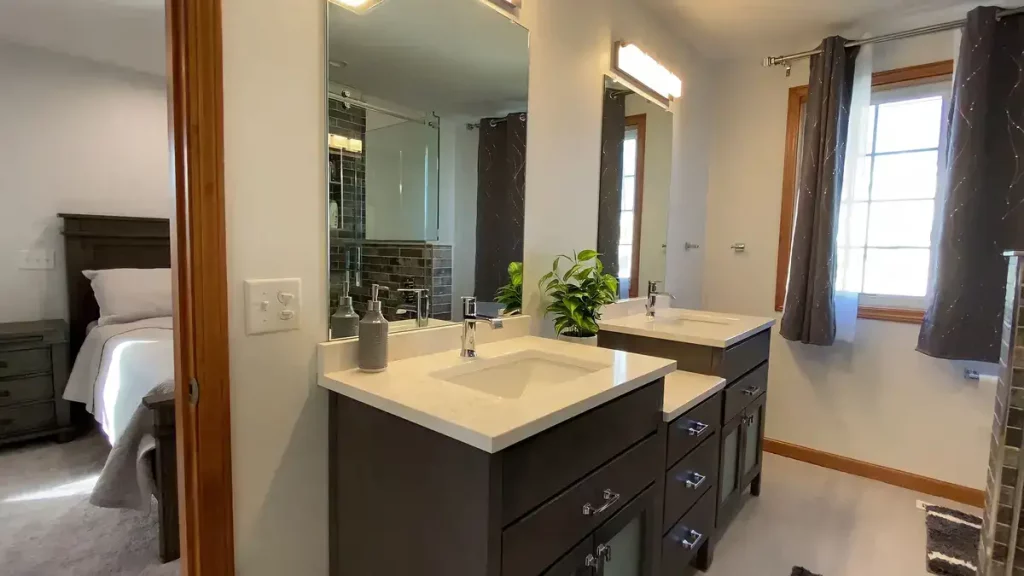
[(583, 497)]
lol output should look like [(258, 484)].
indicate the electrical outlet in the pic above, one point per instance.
[(272, 305), (38, 259)]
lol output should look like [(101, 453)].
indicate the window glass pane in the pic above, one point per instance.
[(905, 176), (862, 184), (850, 271), (901, 223), (626, 227), (625, 260), (898, 272), (909, 124), (629, 156), (853, 225), (628, 192)]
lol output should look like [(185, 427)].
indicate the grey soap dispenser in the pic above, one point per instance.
[(345, 321), (373, 336)]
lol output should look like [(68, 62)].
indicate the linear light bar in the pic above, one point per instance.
[(639, 68)]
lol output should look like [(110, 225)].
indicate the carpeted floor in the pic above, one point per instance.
[(48, 527)]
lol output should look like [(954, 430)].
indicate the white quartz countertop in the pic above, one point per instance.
[(685, 390), (691, 326), (562, 380)]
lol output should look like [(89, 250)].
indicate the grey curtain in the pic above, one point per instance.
[(501, 197), (809, 313), (613, 131), (983, 212)]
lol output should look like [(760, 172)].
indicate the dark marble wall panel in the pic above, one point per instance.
[(613, 131)]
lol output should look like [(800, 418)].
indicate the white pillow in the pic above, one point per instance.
[(130, 294)]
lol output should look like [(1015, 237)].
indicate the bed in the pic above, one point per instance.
[(123, 373)]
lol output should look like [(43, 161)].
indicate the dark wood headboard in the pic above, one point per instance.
[(93, 242)]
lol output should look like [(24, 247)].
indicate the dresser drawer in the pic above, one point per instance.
[(740, 358), (30, 389), (540, 467), (742, 392), (687, 481), (682, 542), (692, 428), (21, 362), (18, 419), (533, 543)]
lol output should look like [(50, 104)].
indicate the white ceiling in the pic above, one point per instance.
[(739, 28), (126, 33), (446, 56)]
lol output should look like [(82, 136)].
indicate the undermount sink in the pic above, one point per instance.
[(673, 316), (510, 376)]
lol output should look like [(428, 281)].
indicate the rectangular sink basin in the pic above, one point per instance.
[(512, 375), (686, 316)]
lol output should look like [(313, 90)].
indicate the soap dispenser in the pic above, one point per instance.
[(373, 335), (345, 321)]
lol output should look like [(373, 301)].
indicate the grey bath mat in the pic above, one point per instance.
[(953, 538), (798, 571)]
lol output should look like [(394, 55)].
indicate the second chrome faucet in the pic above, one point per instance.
[(469, 322)]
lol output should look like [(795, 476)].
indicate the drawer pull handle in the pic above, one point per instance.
[(748, 420), (693, 480), (604, 551), (752, 391), (697, 428), (691, 543), (610, 498), (6, 422), (591, 561)]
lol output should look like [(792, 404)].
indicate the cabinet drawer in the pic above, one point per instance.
[(19, 419), (687, 481), (690, 429), (533, 543), (19, 362), (742, 392), (538, 468), (30, 389), (682, 542), (740, 358)]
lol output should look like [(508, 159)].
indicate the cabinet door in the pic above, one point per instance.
[(730, 476), (581, 561), (753, 439), (627, 543)]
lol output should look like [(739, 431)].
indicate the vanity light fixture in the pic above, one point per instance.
[(639, 70), (357, 6), (342, 143), (506, 7)]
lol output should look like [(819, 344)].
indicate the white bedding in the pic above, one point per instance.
[(118, 365)]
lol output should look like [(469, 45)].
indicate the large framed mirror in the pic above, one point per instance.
[(636, 169), (426, 110)]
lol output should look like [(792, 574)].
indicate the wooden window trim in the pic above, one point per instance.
[(640, 122), (886, 79)]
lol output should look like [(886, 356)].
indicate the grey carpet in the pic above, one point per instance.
[(48, 527), (953, 539)]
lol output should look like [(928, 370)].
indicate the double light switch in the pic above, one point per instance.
[(272, 305)]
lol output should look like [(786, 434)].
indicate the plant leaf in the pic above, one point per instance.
[(586, 255)]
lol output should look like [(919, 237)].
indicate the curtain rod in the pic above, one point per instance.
[(344, 97), (785, 60)]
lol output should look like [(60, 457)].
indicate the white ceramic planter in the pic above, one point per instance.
[(587, 341)]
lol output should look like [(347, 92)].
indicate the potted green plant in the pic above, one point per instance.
[(511, 294), (577, 295)]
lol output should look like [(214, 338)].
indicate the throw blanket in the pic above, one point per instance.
[(127, 478)]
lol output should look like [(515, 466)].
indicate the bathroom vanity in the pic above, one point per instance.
[(713, 425), (535, 457)]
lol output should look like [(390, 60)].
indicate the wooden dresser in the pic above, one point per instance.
[(33, 373)]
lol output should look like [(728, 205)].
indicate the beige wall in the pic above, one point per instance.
[(274, 163), (877, 400)]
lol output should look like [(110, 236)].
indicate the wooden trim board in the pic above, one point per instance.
[(915, 482)]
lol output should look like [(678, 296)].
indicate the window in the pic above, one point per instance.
[(632, 199), (884, 242)]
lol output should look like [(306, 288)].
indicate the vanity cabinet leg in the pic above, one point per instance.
[(705, 556), (755, 486)]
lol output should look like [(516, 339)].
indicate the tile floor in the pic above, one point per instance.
[(831, 523)]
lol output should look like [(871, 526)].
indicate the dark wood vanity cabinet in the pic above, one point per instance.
[(582, 497)]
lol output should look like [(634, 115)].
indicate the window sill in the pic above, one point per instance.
[(901, 315)]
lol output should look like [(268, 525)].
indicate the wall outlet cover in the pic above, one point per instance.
[(37, 259), (272, 305)]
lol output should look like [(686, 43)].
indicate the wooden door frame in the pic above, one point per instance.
[(196, 130), (640, 122)]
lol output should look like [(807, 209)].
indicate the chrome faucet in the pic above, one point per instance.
[(469, 320), (422, 306), (652, 297)]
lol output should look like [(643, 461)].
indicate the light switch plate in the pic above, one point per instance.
[(272, 305), (38, 259)]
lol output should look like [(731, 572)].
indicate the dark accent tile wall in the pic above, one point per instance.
[(347, 184), (1007, 435), (393, 265)]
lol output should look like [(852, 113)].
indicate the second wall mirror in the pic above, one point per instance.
[(427, 111)]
